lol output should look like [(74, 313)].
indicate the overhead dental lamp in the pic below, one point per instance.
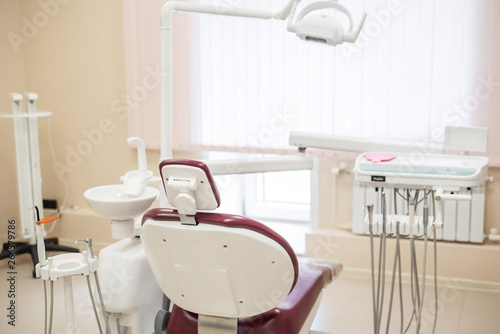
[(323, 28)]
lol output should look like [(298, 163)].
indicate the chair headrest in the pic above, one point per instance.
[(189, 186)]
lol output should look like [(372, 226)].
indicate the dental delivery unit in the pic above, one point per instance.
[(405, 192), (409, 196)]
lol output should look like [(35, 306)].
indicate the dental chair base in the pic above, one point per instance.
[(131, 293)]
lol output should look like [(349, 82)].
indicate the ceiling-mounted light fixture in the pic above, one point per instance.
[(323, 28)]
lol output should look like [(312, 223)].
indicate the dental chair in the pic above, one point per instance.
[(226, 273)]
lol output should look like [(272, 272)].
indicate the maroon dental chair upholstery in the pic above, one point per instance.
[(226, 273)]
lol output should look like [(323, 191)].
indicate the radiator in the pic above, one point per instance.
[(463, 221)]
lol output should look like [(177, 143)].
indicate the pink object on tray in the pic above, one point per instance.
[(379, 157)]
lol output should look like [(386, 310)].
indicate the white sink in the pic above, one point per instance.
[(110, 202)]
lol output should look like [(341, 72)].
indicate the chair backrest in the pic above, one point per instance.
[(222, 265)]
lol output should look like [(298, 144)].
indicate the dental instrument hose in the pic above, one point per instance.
[(425, 223), (118, 325), (418, 289), (45, 305), (435, 263), (93, 304), (377, 330), (51, 305), (380, 307), (101, 300), (393, 278), (414, 257), (400, 282), (414, 285), (398, 259), (370, 228)]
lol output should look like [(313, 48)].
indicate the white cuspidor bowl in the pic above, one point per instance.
[(108, 201)]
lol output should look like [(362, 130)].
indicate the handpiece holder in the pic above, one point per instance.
[(370, 217), (411, 216)]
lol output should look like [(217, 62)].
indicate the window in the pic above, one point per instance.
[(275, 196), (282, 196), (243, 84), (281, 200)]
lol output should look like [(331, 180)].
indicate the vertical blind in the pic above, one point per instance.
[(244, 84)]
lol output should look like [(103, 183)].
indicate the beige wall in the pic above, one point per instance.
[(75, 62), (11, 80), (72, 56)]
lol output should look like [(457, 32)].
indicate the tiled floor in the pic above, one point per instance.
[(346, 307)]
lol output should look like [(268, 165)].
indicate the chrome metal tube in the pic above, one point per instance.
[(101, 300), (93, 304)]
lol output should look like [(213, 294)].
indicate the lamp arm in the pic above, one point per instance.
[(353, 36), (285, 12), (191, 7)]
